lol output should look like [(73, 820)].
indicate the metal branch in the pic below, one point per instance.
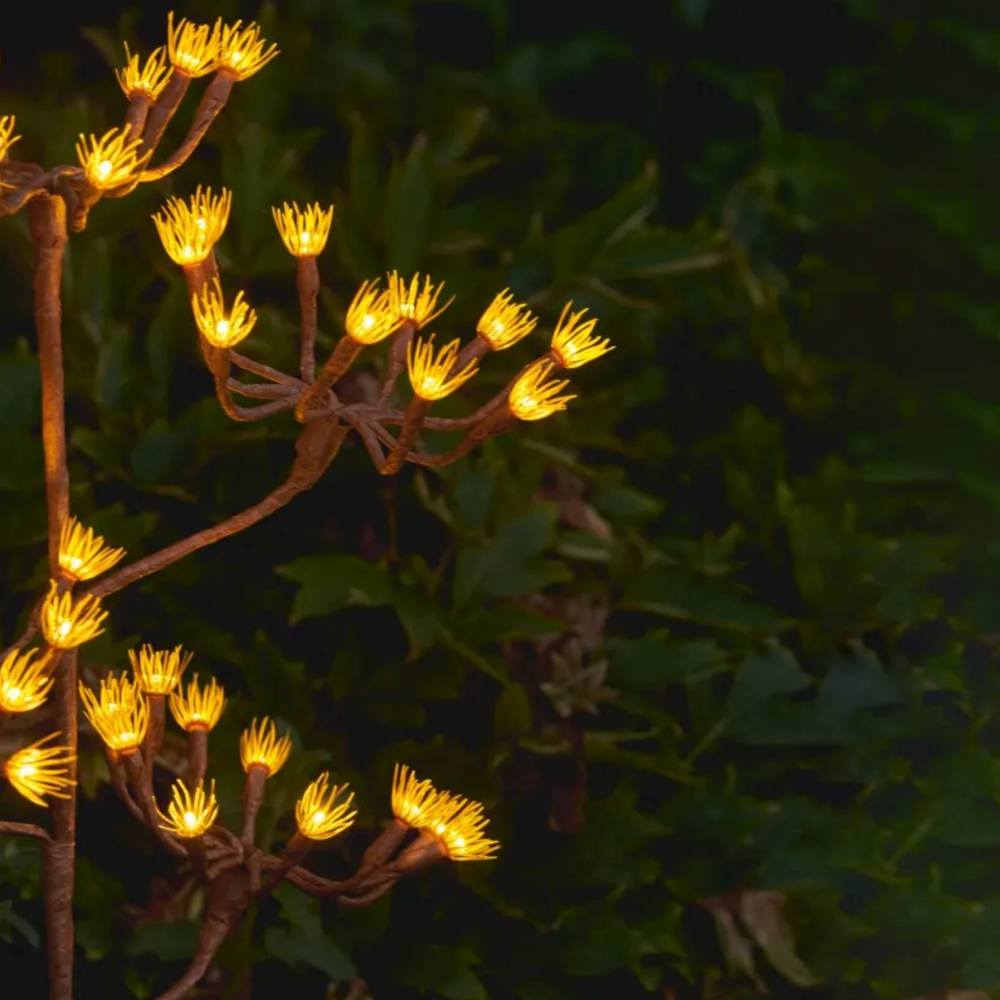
[(25, 830), (212, 102), (164, 109), (308, 284)]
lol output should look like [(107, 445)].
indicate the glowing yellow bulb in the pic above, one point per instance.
[(532, 398), (39, 770), (218, 327), (147, 80), (408, 301), (318, 813), (82, 554), (304, 231), (193, 48), (7, 137), (197, 707), (413, 801), (67, 624), (25, 682), (189, 229), (112, 160), (158, 671), (369, 316), (242, 51), (260, 746), (119, 713), (573, 342), (432, 376), (191, 812), (505, 321)]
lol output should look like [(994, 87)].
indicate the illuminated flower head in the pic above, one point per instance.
[(431, 376), (193, 48), (66, 623), (413, 303), (303, 230), (458, 824), (219, 327), (40, 770), (260, 746), (112, 160), (148, 79), (370, 317), (120, 713), (318, 814), (413, 801), (158, 671), (25, 682), (197, 707), (190, 813), (532, 398), (505, 321), (242, 51), (189, 229), (573, 342), (82, 554), (7, 137)]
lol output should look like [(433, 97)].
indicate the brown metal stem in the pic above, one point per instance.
[(197, 756), (340, 360), (253, 799), (307, 280), (164, 109), (212, 102), (412, 422)]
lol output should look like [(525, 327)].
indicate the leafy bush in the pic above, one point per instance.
[(717, 645)]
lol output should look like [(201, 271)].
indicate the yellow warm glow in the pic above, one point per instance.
[(413, 800), (260, 746), (39, 770), (573, 342), (242, 51), (7, 137), (25, 681), (458, 824), (505, 321), (189, 229), (120, 713), (190, 812), (144, 79), (193, 48), (532, 398), (408, 301), (370, 317), (111, 160), (82, 554), (219, 327), (67, 624), (318, 814), (304, 231), (431, 375), (158, 671), (197, 707)]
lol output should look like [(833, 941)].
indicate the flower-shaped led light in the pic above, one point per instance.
[(413, 303), (198, 707), (7, 137), (189, 229), (304, 231), (25, 681), (242, 51), (144, 79), (82, 554), (260, 746), (66, 623), (505, 321), (431, 376), (120, 713), (190, 813), (111, 160), (532, 398), (370, 317), (318, 814), (158, 671), (193, 48), (458, 824), (219, 327), (413, 801), (573, 342), (40, 770)]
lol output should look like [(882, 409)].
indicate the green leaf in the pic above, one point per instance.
[(438, 971), (331, 582), (408, 208)]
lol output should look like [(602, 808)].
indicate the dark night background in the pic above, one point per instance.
[(716, 647)]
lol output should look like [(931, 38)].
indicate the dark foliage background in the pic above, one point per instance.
[(717, 647)]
